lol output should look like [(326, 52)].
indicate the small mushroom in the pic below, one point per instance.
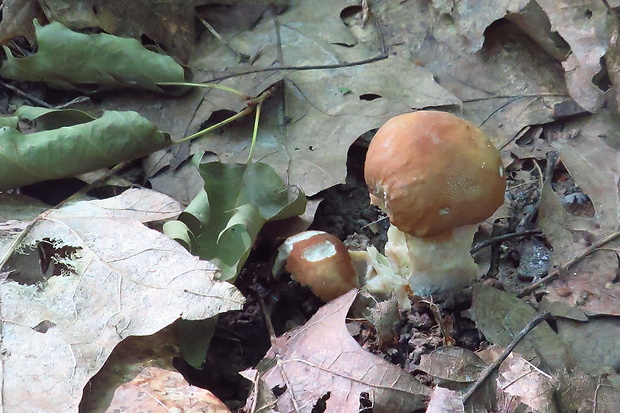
[(436, 176), (321, 261)]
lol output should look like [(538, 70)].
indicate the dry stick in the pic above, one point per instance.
[(552, 276), (504, 237), (33, 99), (490, 368), (315, 67)]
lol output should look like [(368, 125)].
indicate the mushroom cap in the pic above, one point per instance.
[(322, 262), (431, 171)]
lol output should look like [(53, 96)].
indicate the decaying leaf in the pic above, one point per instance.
[(222, 222), (77, 144), (169, 24), (17, 17), (500, 316), (321, 361), (453, 364), (99, 276), (155, 390), (522, 383), (92, 62)]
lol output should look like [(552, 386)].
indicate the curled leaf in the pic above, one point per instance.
[(79, 144), (92, 62)]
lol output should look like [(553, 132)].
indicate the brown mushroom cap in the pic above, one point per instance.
[(431, 171), (322, 262)]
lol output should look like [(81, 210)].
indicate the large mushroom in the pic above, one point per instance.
[(436, 176)]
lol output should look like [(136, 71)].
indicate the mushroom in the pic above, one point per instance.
[(319, 260), (436, 176)]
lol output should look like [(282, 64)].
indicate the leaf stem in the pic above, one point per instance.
[(216, 126), (211, 85), (255, 131)]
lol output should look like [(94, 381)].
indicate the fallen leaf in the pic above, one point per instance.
[(169, 24), (454, 364), (79, 144), (155, 390), (109, 277), (596, 343), (17, 17), (501, 316), (521, 382), (505, 86), (445, 400), (321, 361), (65, 59), (223, 221)]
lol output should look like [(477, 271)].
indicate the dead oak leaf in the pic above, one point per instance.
[(321, 361), (108, 277)]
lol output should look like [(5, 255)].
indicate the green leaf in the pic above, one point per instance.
[(194, 337), (10, 121), (222, 223), (83, 144), (92, 62)]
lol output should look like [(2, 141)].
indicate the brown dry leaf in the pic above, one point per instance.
[(321, 361), (17, 17), (454, 364), (128, 358), (596, 342), (583, 393), (100, 276), (592, 157), (317, 114), (155, 390), (505, 86), (585, 28), (500, 316), (139, 377), (445, 400), (170, 24), (521, 382)]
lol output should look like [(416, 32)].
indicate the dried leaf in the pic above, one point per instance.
[(320, 360), (108, 277), (17, 17), (155, 390), (500, 316)]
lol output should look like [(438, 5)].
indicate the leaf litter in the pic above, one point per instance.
[(513, 78), (120, 279)]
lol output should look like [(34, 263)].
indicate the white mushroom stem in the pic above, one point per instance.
[(423, 265)]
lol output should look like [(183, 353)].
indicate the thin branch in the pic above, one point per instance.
[(315, 67), (490, 368), (31, 98), (501, 238), (552, 276)]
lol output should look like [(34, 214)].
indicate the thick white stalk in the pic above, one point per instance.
[(436, 264)]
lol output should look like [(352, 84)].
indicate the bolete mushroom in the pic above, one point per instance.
[(319, 260), (436, 176)]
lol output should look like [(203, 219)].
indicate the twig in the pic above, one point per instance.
[(553, 275), (240, 55), (33, 99), (316, 67), (490, 368), (500, 238)]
